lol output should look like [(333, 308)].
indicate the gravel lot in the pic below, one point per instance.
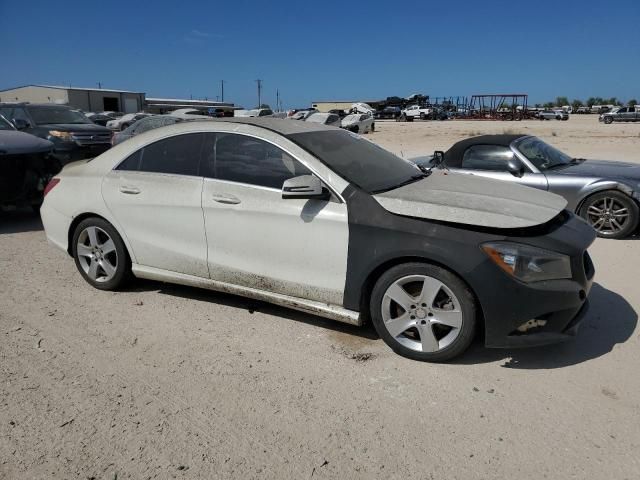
[(164, 381)]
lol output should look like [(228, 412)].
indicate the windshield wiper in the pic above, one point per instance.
[(575, 161), (411, 179)]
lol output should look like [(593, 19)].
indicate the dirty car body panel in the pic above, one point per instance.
[(219, 219)]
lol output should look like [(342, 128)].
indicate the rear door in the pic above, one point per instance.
[(259, 240), (491, 161), (155, 195)]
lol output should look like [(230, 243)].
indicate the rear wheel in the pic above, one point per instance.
[(100, 254), (423, 312), (612, 214)]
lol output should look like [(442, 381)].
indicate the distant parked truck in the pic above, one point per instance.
[(622, 114), (416, 111)]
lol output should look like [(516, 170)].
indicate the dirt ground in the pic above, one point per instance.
[(164, 381)]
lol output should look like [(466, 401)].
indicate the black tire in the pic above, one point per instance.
[(461, 291), (355, 129), (608, 120), (596, 200), (423, 116), (373, 127), (123, 263)]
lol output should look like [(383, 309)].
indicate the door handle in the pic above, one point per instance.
[(226, 199), (130, 190)]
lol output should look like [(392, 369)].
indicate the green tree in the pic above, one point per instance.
[(562, 101), (549, 105), (633, 102), (576, 104)]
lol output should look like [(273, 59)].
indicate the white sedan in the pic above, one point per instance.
[(322, 220), (358, 123)]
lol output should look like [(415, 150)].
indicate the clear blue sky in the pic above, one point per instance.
[(318, 50)]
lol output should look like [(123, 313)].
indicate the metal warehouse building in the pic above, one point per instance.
[(87, 99)]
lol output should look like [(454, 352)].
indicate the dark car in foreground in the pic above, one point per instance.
[(605, 193), (321, 220), (26, 167), (73, 135)]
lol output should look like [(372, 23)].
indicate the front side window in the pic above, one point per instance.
[(5, 125), (487, 157), (244, 159), (12, 113), (179, 155)]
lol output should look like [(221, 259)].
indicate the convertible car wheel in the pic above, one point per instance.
[(100, 254), (423, 312), (612, 214)]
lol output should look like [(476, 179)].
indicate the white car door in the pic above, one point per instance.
[(256, 238), (156, 197)]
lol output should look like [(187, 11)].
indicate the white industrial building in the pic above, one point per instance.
[(87, 99)]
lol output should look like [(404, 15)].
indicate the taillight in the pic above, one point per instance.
[(52, 183)]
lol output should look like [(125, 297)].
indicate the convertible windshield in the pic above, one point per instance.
[(358, 160), (541, 154), (44, 115)]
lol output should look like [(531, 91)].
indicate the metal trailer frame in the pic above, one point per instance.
[(501, 106)]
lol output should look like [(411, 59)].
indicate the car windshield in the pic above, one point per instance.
[(541, 154), (44, 115), (5, 125), (358, 160)]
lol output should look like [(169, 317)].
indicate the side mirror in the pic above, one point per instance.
[(21, 124), (438, 158), (304, 186), (515, 167)]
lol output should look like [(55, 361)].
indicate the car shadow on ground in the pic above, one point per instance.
[(19, 221), (611, 320), (252, 306)]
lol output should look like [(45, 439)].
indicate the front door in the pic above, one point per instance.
[(258, 239), (155, 195)]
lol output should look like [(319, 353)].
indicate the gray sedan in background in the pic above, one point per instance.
[(605, 193)]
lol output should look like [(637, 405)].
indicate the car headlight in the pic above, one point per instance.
[(526, 263), (66, 136)]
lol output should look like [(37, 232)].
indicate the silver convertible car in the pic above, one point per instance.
[(605, 193)]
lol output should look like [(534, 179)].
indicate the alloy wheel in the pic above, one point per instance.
[(97, 254), (422, 313), (608, 216)]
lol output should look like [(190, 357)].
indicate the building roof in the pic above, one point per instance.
[(189, 101), (58, 87)]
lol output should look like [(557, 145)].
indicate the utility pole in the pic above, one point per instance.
[(99, 86), (222, 90), (277, 100), (259, 82)]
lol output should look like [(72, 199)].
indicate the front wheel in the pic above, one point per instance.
[(612, 214), (608, 120), (100, 254), (423, 312)]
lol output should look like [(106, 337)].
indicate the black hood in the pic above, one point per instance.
[(602, 169), (74, 127), (20, 143)]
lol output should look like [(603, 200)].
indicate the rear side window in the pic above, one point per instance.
[(179, 155), (487, 157), (244, 159)]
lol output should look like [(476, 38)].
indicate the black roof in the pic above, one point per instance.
[(453, 156)]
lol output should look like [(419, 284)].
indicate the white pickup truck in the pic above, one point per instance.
[(416, 111)]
